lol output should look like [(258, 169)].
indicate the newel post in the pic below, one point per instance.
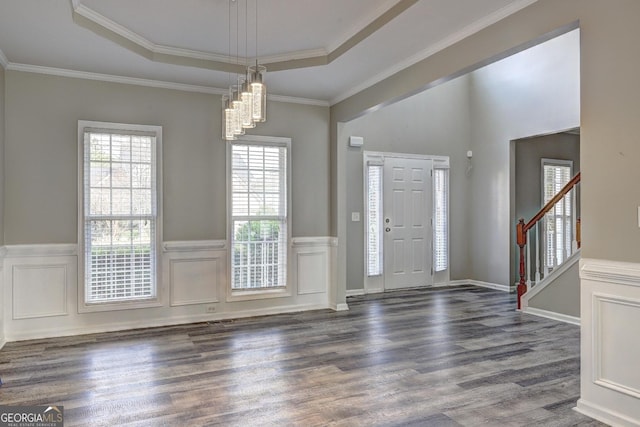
[(521, 238)]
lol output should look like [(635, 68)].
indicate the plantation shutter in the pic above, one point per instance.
[(441, 219), (374, 219), (120, 215), (259, 215)]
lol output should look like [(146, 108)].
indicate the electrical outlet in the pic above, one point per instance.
[(211, 309)]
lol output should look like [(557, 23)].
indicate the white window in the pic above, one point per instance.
[(258, 220), (374, 219), (558, 224), (119, 207), (440, 219)]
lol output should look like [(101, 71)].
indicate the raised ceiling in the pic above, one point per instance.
[(314, 50)]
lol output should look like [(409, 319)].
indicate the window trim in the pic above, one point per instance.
[(157, 300), (544, 161), (375, 162), (447, 178), (256, 294)]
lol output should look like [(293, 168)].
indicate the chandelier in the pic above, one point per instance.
[(245, 105)]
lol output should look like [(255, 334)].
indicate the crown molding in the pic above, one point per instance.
[(137, 39), (433, 49), (296, 100), (362, 23), (125, 37), (61, 72), (4, 62)]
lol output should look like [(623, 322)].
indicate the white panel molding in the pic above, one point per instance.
[(610, 308), (354, 292), (38, 286), (598, 351), (198, 284), (194, 245), (41, 250), (312, 271), (551, 315), (194, 292), (39, 290), (195, 271), (184, 87), (622, 273), (311, 264)]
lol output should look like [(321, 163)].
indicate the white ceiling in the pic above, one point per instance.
[(152, 39)]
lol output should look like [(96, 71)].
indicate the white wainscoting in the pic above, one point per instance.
[(610, 345), (194, 272), (2, 309), (39, 285), (311, 264)]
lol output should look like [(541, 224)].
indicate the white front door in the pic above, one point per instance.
[(407, 206)]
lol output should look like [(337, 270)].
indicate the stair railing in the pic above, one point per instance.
[(568, 194)]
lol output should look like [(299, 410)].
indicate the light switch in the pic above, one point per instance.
[(355, 216)]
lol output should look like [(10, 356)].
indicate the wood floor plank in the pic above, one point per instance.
[(442, 357)]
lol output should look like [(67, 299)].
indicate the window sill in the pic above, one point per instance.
[(248, 295), (119, 305)]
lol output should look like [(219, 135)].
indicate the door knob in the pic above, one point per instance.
[(387, 229)]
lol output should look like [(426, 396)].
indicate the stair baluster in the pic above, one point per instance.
[(522, 235)]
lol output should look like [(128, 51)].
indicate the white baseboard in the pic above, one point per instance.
[(503, 288), (355, 292), (552, 315), (153, 323), (340, 307), (601, 414)]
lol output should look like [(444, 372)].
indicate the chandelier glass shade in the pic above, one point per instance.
[(246, 104)]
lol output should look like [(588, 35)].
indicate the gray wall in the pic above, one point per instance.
[(562, 295), (534, 92), (529, 153), (434, 122), (41, 152)]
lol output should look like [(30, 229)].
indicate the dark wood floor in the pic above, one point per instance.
[(435, 357)]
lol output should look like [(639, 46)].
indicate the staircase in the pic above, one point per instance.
[(549, 246)]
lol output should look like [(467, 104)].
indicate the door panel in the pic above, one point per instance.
[(407, 205)]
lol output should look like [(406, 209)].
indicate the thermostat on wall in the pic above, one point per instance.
[(356, 141)]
